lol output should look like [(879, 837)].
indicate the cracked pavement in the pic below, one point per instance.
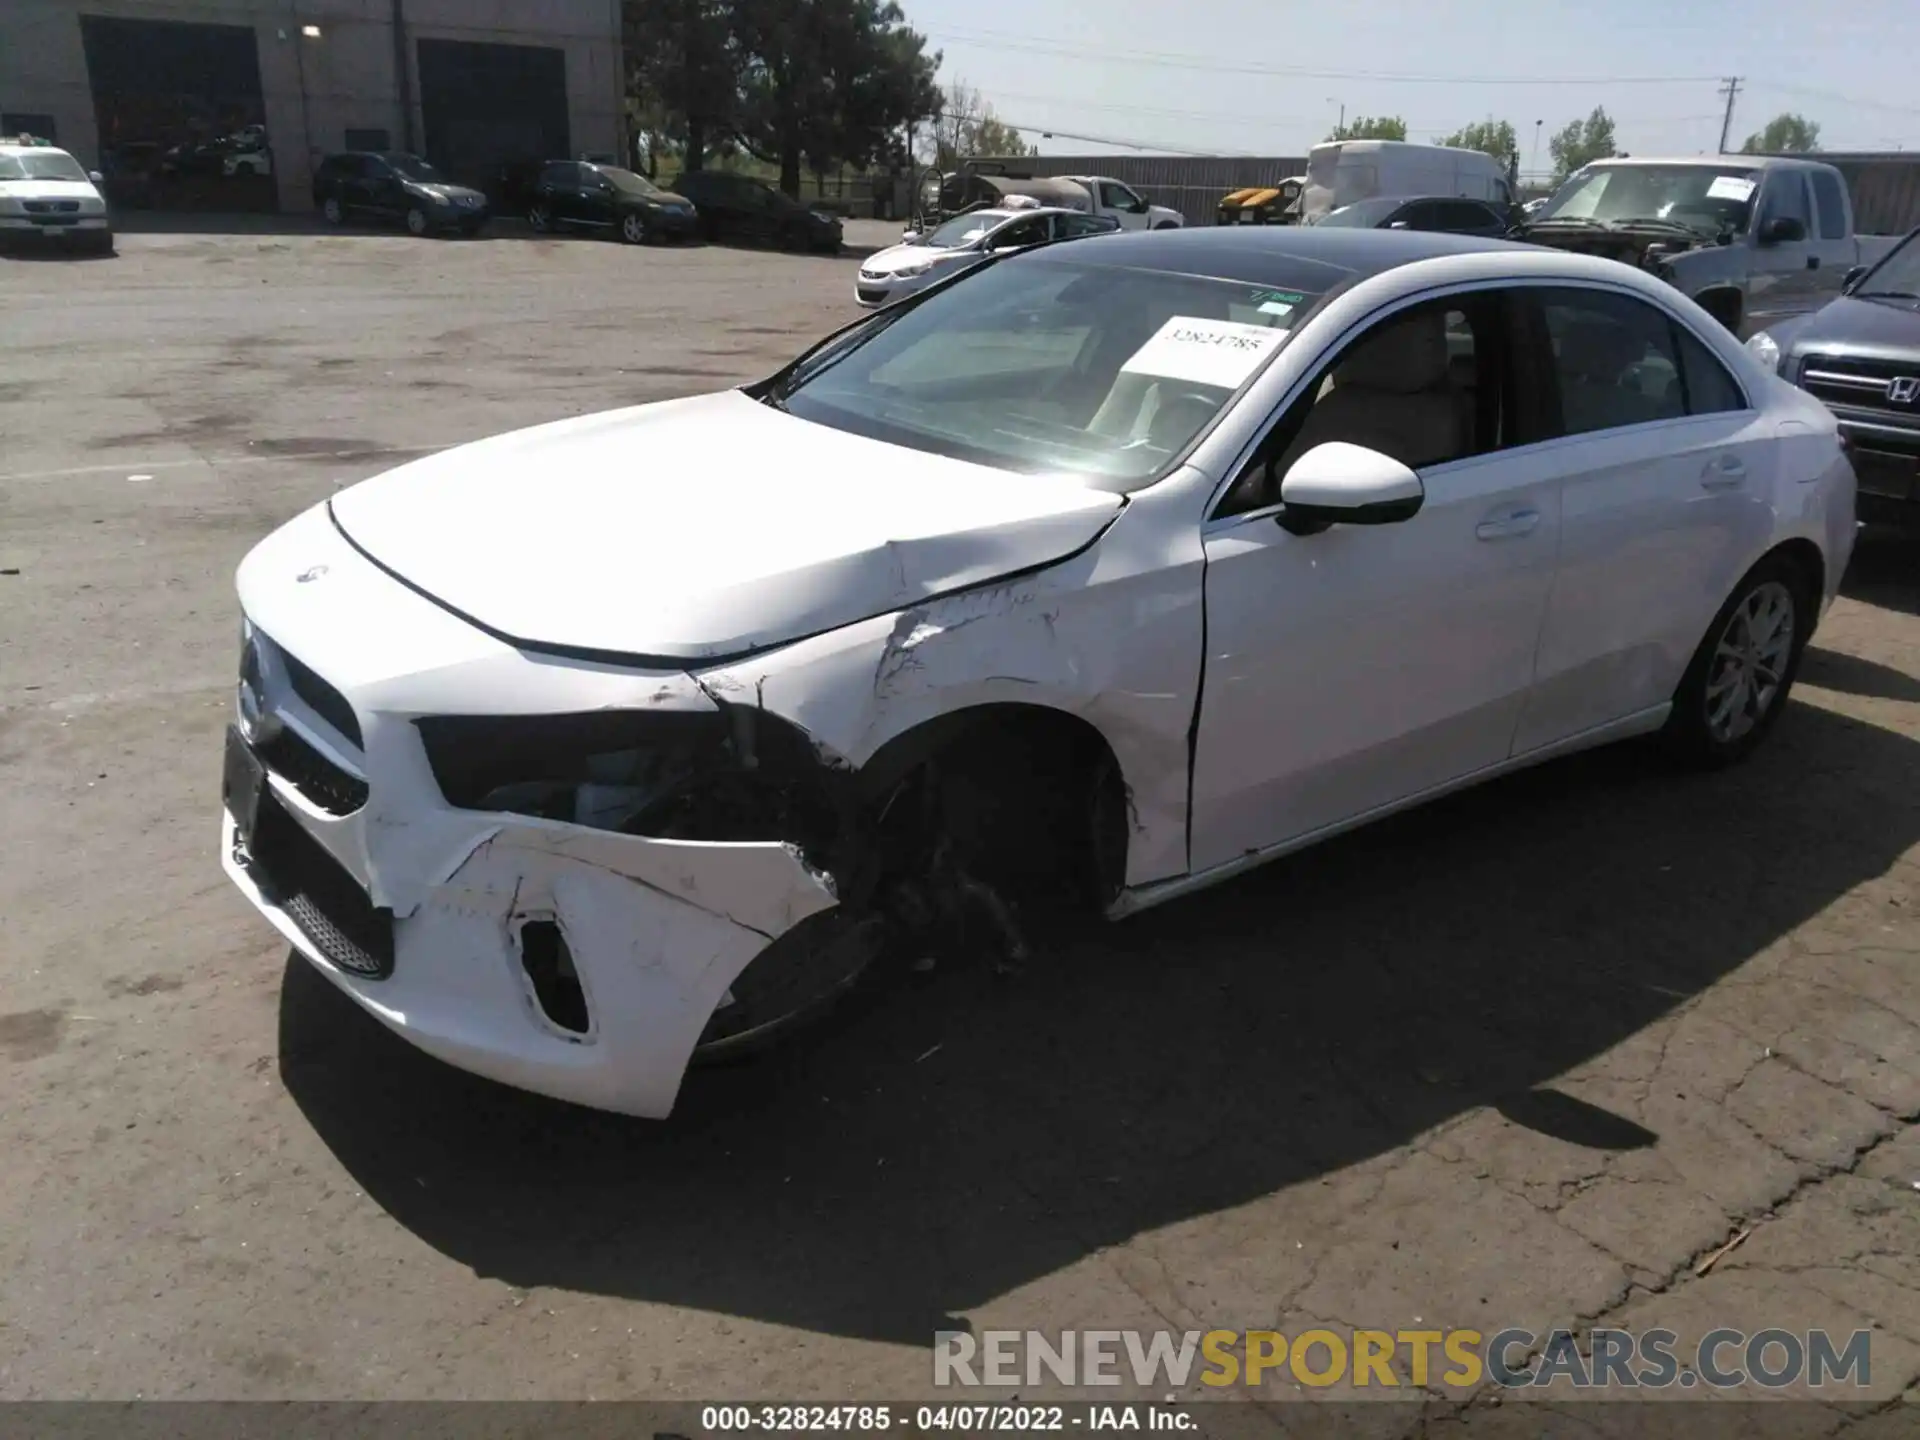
[(1531, 1057)]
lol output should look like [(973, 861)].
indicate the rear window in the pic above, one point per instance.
[(1047, 365)]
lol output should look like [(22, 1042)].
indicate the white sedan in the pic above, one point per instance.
[(1100, 575), (919, 260)]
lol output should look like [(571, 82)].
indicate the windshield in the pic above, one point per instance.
[(1706, 198), (41, 165), (1041, 364), (629, 182), (1898, 275), (961, 230), (1364, 214), (414, 168)]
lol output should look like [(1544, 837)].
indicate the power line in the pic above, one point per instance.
[(991, 39)]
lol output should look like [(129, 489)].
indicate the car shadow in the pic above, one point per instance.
[(961, 1134), (1885, 569)]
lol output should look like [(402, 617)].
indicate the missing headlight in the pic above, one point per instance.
[(732, 774)]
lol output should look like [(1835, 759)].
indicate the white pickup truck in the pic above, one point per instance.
[(1755, 240), (1123, 203)]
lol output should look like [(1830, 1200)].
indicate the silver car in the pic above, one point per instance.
[(919, 260)]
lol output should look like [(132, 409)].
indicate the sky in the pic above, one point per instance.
[(1246, 77)]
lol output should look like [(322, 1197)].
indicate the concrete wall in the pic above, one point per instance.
[(314, 90)]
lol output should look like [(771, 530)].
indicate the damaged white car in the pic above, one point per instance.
[(1096, 575)]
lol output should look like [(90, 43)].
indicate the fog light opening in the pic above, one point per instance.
[(556, 984)]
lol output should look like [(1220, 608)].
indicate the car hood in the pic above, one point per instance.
[(902, 257), (1889, 328), (696, 529), (48, 190)]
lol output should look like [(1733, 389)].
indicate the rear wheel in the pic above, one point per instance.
[(540, 218), (1738, 681)]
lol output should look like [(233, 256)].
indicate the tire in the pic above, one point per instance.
[(332, 212), (417, 222), (633, 230), (792, 983), (104, 244), (1166, 225), (541, 219), (1738, 680)]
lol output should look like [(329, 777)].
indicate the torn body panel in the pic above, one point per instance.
[(656, 930), (1112, 637)]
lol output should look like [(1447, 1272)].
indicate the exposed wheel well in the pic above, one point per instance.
[(1725, 305), (1030, 799)]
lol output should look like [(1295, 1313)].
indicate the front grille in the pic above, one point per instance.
[(315, 776), (52, 207), (1860, 381), (868, 292), (325, 701), (325, 902)]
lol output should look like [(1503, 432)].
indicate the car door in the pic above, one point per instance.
[(553, 191), (1663, 467), (1128, 208), (594, 199), (1784, 279), (1364, 665), (380, 190)]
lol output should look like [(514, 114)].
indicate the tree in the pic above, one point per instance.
[(1493, 137), (683, 73), (1581, 143), (827, 81), (1371, 127), (1786, 134), (967, 126)]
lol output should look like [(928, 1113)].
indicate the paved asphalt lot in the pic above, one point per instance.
[(1524, 1058)]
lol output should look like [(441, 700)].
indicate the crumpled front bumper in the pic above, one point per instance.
[(656, 930)]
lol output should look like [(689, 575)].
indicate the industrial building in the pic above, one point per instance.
[(228, 104)]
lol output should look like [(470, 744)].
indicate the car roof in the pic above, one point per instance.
[(9, 148), (1275, 254)]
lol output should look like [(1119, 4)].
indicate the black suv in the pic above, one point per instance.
[(737, 207), (396, 188), (580, 195)]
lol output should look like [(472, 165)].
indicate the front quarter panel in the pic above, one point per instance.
[(1113, 635)]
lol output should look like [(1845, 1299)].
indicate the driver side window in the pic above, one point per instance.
[(1427, 385)]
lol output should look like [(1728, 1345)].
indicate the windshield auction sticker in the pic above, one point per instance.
[(1205, 352), (1730, 187)]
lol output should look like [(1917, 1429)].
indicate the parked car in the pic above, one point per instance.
[(1103, 573), (1754, 240), (1454, 215), (49, 198), (1262, 204), (1861, 356), (578, 195), (920, 260), (738, 207), (398, 188), (978, 184), (1125, 204)]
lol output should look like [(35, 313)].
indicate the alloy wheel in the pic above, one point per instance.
[(331, 210), (540, 219), (633, 230), (417, 221), (1749, 662)]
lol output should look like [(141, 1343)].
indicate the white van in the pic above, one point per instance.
[(1343, 171)]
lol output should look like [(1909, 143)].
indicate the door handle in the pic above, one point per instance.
[(1509, 525), (1725, 473)]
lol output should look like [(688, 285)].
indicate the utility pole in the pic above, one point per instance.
[(1731, 90)]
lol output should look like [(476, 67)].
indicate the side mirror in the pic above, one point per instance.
[(96, 177), (1782, 230), (1854, 277), (907, 237), (1341, 484)]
